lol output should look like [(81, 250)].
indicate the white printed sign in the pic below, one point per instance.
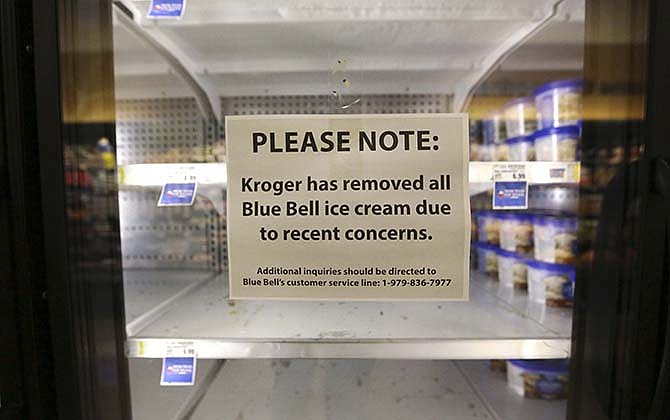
[(348, 207)]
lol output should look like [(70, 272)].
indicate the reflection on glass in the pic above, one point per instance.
[(518, 71)]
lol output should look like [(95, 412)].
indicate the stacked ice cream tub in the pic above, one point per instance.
[(534, 250)]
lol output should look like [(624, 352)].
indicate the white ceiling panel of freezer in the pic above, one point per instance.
[(318, 46)]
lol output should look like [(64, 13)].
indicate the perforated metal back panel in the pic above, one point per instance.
[(169, 237), (161, 131), (406, 104), (169, 130), (315, 104), (324, 104)]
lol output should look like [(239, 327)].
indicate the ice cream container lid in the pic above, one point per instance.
[(553, 267), (576, 84), (516, 215), (542, 365), (524, 100), (520, 139), (524, 217), (506, 253), (569, 130), (568, 222), (485, 213)]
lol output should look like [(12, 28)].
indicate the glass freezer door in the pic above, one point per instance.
[(556, 90)]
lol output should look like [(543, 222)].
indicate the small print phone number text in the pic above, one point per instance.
[(416, 283)]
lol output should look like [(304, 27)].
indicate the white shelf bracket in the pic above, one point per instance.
[(178, 60), (466, 88)]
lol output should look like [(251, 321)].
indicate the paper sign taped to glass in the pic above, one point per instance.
[(348, 207)]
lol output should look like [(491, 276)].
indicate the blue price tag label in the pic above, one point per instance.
[(178, 194), (178, 371), (166, 9), (510, 195)]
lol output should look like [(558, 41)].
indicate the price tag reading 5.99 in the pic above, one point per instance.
[(509, 172)]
